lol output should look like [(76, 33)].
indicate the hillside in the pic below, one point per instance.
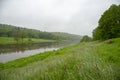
[(84, 61), (20, 32), (68, 36)]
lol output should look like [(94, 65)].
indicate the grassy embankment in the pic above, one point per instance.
[(10, 40), (83, 61)]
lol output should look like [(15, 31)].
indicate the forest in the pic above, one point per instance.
[(19, 32)]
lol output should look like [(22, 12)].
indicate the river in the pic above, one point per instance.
[(12, 52)]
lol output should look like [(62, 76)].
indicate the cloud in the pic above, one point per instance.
[(73, 16)]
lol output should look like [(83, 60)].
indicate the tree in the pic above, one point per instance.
[(86, 39), (109, 24)]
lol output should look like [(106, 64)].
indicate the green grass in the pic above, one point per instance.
[(83, 61), (10, 40)]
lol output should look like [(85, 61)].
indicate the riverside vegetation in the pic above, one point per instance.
[(83, 61), (10, 40), (10, 34)]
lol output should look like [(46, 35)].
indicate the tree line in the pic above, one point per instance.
[(19, 32)]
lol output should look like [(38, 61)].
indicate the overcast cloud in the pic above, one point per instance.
[(72, 16)]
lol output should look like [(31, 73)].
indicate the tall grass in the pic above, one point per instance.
[(85, 61)]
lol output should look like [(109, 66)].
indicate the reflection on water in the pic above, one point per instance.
[(15, 55), (12, 52), (22, 47)]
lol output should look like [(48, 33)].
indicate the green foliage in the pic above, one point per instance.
[(21, 33), (86, 39), (83, 61), (109, 24)]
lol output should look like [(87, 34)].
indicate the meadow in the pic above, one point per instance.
[(11, 40), (99, 60)]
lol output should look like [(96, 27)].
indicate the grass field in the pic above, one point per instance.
[(83, 61), (10, 40)]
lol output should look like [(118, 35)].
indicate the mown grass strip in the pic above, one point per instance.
[(11, 40)]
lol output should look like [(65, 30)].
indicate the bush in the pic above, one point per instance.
[(86, 39)]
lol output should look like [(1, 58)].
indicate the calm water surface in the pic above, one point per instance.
[(12, 52), (9, 56)]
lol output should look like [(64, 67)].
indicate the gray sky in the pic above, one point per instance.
[(72, 16)]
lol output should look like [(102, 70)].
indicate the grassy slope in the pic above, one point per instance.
[(84, 61), (10, 40)]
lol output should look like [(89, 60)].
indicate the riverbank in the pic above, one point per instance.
[(11, 40), (83, 61)]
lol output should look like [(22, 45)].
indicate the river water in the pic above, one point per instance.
[(12, 52)]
